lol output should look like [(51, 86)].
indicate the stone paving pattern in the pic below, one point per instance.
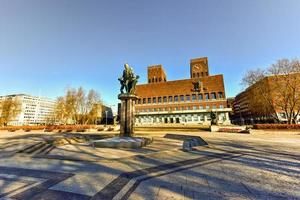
[(260, 165)]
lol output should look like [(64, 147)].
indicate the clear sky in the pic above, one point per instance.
[(49, 45)]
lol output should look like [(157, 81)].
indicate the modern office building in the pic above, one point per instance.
[(186, 101), (33, 110)]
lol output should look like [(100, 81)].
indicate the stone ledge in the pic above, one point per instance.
[(122, 142)]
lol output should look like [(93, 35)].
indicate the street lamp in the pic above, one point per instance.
[(106, 118)]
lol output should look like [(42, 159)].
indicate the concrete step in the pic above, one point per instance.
[(28, 148), (43, 149), (36, 148)]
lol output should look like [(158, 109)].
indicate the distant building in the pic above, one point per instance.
[(186, 101), (249, 106), (106, 115), (34, 110)]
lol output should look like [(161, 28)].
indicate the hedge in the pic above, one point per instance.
[(276, 126), (49, 127)]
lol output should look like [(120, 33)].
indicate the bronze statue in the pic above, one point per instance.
[(197, 86), (128, 80)]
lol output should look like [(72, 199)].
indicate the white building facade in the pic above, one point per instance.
[(34, 110)]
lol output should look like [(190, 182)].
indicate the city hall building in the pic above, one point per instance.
[(186, 101)]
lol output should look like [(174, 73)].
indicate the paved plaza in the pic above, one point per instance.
[(260, 165)]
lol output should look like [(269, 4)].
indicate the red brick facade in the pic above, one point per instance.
[(200, 94)]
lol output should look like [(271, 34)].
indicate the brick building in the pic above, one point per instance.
[(187, 101), (263, 102)]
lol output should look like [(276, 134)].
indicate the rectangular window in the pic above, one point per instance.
[(165, 100), (181, 98), (144, 100), (154, 100), (200, 97), (149, 100), (175, 98), (201, 107), (220, 94), (214, 107), (170, 98), (207, 107), (201, 117), (194, 107), (193, 97), (221, 106), (187, 98), (159, 99), (139, 101), (195, 118), (213, 95), (206, 96)]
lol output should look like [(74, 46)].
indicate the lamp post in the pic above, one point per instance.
[(106, 118)]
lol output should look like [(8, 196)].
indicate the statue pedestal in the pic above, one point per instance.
[(127, 114)]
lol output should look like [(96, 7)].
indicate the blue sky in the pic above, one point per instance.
[(47, 46)]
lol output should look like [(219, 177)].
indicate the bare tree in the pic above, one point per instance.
[(9, 109), (275, 89), (78, 107), (285, 87)]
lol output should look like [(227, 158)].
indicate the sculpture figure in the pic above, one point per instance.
[(197, 85), (128, 80)]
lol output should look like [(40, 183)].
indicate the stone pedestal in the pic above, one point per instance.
[(127, 114)]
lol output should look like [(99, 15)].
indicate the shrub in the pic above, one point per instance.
[(81, 130), (110, 129), (276, 126), (100, 129), (230, 130)]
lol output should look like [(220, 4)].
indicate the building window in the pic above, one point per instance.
[(220, 94), (194, 75), (206, 96), (200, 97), (165, 100), (175, 98), (187, 98), (182, 108), (159, 79), (155, 79), (193, 97), (181, 98), (201, 107), (213, 95), (139, 101), (144, 100), (221, 106), (176, 108), (198, 74), (149, 100), (154, 100), (195, 118), (214, 107), (194, 107), (149, 80), (170, 98), (159, 99), (207, 107)]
